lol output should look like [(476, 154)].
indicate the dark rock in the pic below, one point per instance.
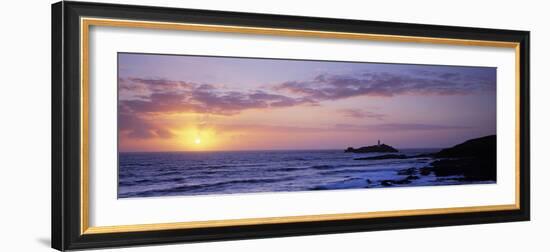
[(425, 171), (389, 182), (410, 171), (483, 147), (316, 188), (474, 159), (372, 148), (412, 177), (389, 156), (473, 169), (423, 157), (401, 182), (386, 182)]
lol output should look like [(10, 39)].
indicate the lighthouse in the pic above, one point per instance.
[(378, 142)]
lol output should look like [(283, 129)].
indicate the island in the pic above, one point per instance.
[(373, 148)]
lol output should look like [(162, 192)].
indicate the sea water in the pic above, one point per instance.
[(225, 172)]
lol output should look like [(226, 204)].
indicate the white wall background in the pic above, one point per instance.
[(25, 125)]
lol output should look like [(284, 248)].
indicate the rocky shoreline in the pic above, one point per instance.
[(473, 160)]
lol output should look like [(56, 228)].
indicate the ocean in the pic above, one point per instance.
[(226, 172)]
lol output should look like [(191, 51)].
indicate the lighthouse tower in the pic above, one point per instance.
[(378, 142)]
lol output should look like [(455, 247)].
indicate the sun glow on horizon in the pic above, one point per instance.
[(196, 138)]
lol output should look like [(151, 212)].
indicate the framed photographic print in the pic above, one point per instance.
[(180, 125)]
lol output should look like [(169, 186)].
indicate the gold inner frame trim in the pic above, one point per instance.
[(86, 23), (289, 219)]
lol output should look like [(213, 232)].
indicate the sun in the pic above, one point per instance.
[(193, 139)]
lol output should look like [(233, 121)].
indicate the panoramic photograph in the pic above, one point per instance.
[(211, 125)]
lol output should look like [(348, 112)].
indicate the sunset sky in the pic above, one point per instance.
[(194, 103)]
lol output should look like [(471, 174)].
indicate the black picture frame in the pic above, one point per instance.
[(66, 124)]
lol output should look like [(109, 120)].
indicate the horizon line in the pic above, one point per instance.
[(253, 150)]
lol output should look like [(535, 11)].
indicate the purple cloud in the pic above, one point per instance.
[(399, 127), (334, 87), (201, 98), (134, 126), (360, 114), (140, 98)]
